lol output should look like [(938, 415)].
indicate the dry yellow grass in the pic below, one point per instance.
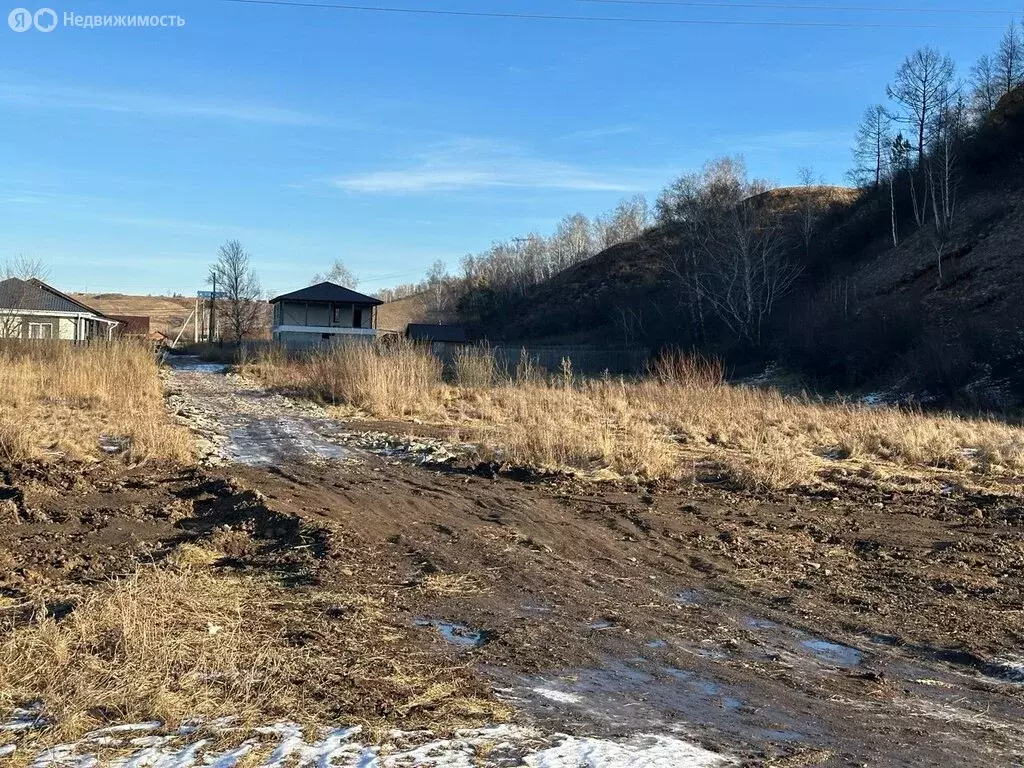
[(656, 427), (185, 642), (59, 399)]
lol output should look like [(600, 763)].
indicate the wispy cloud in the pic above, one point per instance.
[(601, 132), (464, 164), (42, 96)]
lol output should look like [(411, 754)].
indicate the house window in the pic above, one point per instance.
[(336, 314), (40, 330), (357, 318)]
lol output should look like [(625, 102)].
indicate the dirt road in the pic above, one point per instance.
[(846, 629)]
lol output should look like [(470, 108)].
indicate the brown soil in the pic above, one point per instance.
[(650, 607)]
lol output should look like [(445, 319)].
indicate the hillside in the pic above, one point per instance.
[(166, 313), (862, 312), (419, 308), (626, 293)]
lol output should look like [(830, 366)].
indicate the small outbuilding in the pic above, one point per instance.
[(322, 314), (441, 338)]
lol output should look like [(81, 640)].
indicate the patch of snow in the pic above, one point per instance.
[(503, 745), (560, 696), (644, 751), (152, 725), (7, 749)]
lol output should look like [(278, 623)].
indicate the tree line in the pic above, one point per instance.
[(911, 147)]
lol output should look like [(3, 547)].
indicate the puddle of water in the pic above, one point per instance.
[(269, 441), (755, 623), (834, 653), (657, 644), (602, 624), (1008, 670), (699, 684), (193, 364), (456, 634)]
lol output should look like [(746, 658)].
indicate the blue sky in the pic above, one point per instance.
[(127, 156)]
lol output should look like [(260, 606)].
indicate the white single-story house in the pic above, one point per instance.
[(322, 314), (31, 309)]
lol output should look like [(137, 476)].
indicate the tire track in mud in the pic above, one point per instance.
[(691, 654)]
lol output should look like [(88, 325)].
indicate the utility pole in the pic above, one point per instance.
[(213, 311)]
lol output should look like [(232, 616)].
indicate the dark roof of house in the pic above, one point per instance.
[(328, 292), (451, 333), (36, 295)]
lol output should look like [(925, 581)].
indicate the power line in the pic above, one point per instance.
[(800, 7), (613, 19)]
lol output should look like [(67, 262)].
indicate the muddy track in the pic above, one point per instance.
[(864, 628), (861, 628)]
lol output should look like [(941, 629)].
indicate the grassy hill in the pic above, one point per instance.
[(167, 314), (863, 313)]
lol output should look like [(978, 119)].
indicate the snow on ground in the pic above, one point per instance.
[(503, 746)]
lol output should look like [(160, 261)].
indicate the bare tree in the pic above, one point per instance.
[(438, 285), (339, 273), (1009, 62), (729, 256), (985, 87), (921, 84), (944, 173), (237, 283), (750, 271), (21, 270), (811, 204), (625, 223), (871, 147), (572, 242)]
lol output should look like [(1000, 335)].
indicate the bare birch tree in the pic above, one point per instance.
[(339, 273), (625, 223), (572, 242), (239, 286), (730, 256), (920, 86), (944, 173)]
